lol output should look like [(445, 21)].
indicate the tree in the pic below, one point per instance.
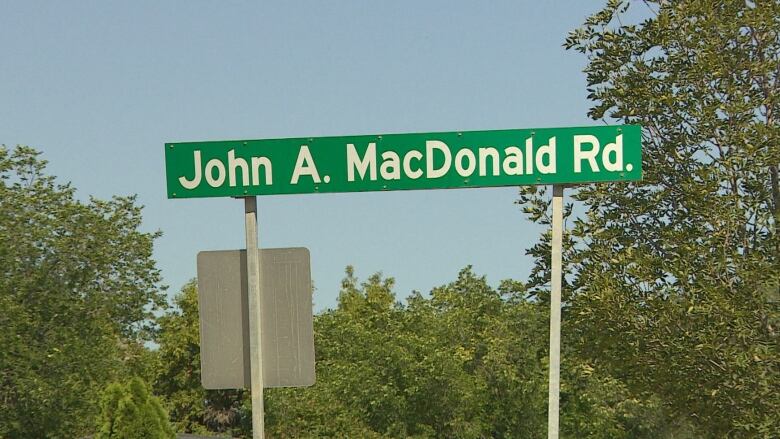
[(77, 289), (465, 362), (130, 412), (673, 281), (192, 408)]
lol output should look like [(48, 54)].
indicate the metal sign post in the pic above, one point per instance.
[(255, 345), (555, 313)]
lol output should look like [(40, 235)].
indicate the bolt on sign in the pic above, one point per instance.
[(443, 160)]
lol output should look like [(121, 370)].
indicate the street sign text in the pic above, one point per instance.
[(404, 161)]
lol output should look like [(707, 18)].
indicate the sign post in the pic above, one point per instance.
[(555, 312), (255, 337)]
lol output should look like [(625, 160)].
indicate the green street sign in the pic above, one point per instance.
[(404, 161)]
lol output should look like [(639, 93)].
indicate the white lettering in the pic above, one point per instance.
[(234, 163), (529, 155), (368, 163), (390, 160), (192, 184), (304, 165), (413, 174), (430, 146), (549, 151), (469, 169), (215, 182), (265, 163), (513, 162), (616, 149), (484, 153), (590, 155)]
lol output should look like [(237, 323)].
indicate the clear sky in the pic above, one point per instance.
[(99, 86)]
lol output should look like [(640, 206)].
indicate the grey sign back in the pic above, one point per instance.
[(286, 318)]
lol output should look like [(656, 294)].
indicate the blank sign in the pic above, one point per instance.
[(286, 318)]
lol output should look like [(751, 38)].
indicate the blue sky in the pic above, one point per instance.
[(99, 86)]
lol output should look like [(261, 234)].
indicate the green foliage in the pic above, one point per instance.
[(130, 412), (673, 281), (192, 408), (466, 362), (76, 284)]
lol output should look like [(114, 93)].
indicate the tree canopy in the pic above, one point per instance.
[(466, 361), (130, 412), (77, 287), (193, 409), (673, 281), (671, 290)]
